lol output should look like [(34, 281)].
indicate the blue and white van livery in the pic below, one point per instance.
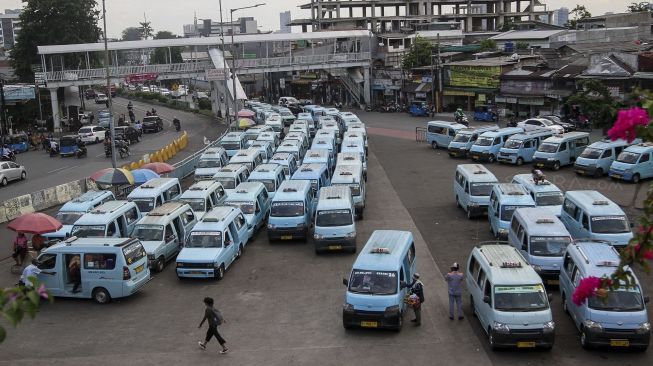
[(335, 227), (270, 175), (265, 147), (113, 219), (335, 127), (439, 134), (203, 196), (509, 298), (561, 150), (250, 157), (320, 156), (274, 120), (213, 244), (72, 210), (465, 138), (325, 143), (355, 146), (619, 320), (291, 211), (472, 186), (292, 147), (233, 141), (254, 202), (270, 137), (317, 174), (589, 214), (545, 194), (154, 193), (375, 288), (488, 144), (299, 136), (542, 239), (251, 134), (520, 148), (352, 177), (231, 175), (597, 158), (287, 162), (634, 163), (209, 162), (111, 268), (504, 200)]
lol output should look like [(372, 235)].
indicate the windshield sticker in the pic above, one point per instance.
[(213, 233), (518, 289), (331, 212), (600, 218), (288, 204)]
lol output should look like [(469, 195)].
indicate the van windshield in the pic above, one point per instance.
[(68, 218), (610, 225), (89, 231), (246, 206), (209, 163), (287, 209), (622, 299), (230, 145), (461, 137), (144, 204), (628, 157), (197, 204), (148, 232), (520, 298), (548, 147), (481, 189), (507, 211), (326, 218), (549, 246), (373, 282), (227, 182), (268, 183), (549, 199), (513, 144), (133, 253), (591, 153), (484, 141), (205, 239)]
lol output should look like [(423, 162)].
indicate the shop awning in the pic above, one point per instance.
[(461, 93)]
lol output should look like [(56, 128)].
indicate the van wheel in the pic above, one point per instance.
[(636, 178), (556, 165), (598, 173), (584, 342), (101, 296), (434, 145), (240, 252), (160, 263), (220, 273), (520, 161), (469, 214)]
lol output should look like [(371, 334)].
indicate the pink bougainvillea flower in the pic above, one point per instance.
[(647, 254), (586, 288), (43, 292), (626, 125)]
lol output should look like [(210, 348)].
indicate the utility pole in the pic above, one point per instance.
[(438, 106), (106, 65), (233, 65), (224, 66)]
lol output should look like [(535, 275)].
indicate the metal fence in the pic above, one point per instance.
[(420, 134), (187, 166)]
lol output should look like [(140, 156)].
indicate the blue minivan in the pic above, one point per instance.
[(253, 200), (520, 148), (597, 158), (291, 211), (504, 200), (72, 210), (376, 285), (317, 174), (487, 146), (465, 138), (634, 163), (439, 134)]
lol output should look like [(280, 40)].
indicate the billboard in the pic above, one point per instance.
[(474, 76)]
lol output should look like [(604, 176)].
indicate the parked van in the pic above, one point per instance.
[(251, 134), (352, 177), (320, 156), (509, 298), (293, 147), (210, 162), (351, 158), (163, 232), (233, 141), (72, 210), (376, 286), (488, 144), (619, 319), (203, 196), (634, 163), (472, 186), (231, 175), (317, 174), (291, 211), (335, 228), (542, 239), (325, 143), (299, 136), (597, 158), (270, 175), (335, 127), (270, 137), (113, 219), (287, 161), (561, 150), (351, 146), (520, 148), (154, 193), (504, 200), (266, 149), (589, 214), (439, 134), (253, 200), (298, 130), (316, 112), (545, 194), (250, 157), (465, 138), (359, 128), (213, 244), (111, 268), (275, 122)]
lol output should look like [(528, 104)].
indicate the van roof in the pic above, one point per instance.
[(282, 156), (245, 191), (597, 258), (309, 171), (292, 190), (84, 202), (215, 219), (316, 153), (480, 129), (158, 182), (333, 198), (503, 131), (556, 139), (245, 154), (527, 181), (347, 173), (267, 168), (454, 125), (511, 189), (109, 207), (477, 173), (540, 132), (232, 168), (640, 148), (593, 201), (167, 208), (384, 250), (541, 223), (201, 189), (73, 243), (607, 143), (506, 265), (233, 136), (213, 152)]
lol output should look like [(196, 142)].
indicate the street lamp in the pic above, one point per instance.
[(106, 65), (224, 67)]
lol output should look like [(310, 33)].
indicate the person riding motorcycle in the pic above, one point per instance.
[(177, 123), (458, 114), (81, 148), (7, 153), (130, 105)]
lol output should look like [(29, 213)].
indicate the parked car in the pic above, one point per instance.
[(152, 124), (558, 121), (101, 98), (92, 134), (164, 92), (127, 133), (201, 95), (11, 171), (535, 123)]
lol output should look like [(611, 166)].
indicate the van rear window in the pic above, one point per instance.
[(133, 252)]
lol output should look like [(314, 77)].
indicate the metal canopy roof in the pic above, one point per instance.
[(203, 41)]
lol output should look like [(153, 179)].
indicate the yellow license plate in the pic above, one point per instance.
[(475, 156), (553, 282), (335, 247), (369, 324), (196, 272), (139, 268), (539, 165), (616, 176), (619, 343), (286, 237), (525, 344)]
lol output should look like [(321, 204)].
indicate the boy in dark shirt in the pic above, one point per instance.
[(213, 316)]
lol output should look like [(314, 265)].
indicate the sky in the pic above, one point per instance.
[(171, 15)]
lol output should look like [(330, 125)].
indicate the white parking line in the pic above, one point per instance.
[(59, 169)]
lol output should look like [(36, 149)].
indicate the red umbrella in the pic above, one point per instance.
[(99, 173), (246, 113), (35, 223), (158, 168)]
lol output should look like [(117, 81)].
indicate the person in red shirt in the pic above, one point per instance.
[(20, 249)]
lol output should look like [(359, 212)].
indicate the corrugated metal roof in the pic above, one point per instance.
[(529, 34)]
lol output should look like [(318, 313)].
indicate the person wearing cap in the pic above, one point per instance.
[(417, 288), (455, 282)]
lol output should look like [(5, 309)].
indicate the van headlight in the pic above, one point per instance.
[(593, 326), (180, 265), (318, 236), (347, 307), (271, 226), (501, 328), (537, 268), (644, 328), (549, 326)]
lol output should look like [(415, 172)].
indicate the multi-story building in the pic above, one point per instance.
[(284, 22), (9, 28), (210, 28), (561, 16)]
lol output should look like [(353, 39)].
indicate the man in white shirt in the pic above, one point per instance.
[(32, 271)]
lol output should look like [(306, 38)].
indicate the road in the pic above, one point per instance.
[(44, 172)]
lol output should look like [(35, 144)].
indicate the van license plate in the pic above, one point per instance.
[(619, 343), (335, 247), (539, 165), (139, 268), (553, 282), (286, 237), (475, 157), (616, 176), (369, 324), (525, 344)]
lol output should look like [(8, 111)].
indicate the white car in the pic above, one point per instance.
[(538, 123), (91, 134), (201, 95), (164, 91), (154, 88), (101, 98), (11, 171), (145, 89)]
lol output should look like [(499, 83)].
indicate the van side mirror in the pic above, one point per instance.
[(632, 225), (486, 299), (646, 299), (403, 284), (524, 247), (549, 296), (345, 282)]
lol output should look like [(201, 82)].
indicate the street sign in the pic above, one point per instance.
[(215, 74)]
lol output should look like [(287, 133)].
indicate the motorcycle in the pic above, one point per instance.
[(54, 151), (462, 119), (338, 105), (177, 124), (9, 157), (81, 152)]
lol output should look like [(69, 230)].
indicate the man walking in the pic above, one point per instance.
[(455, 281), (214, 317), (417, 288)]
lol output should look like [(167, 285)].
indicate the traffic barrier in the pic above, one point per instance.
[(133, 166)]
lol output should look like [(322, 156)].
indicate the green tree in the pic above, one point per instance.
[(639, 7), (161, 55), (52, 22), (488, 45), (578, 13), (595, 101), (419, 54), (521, 45), (507, 25), (131, 34), (146, 29)]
